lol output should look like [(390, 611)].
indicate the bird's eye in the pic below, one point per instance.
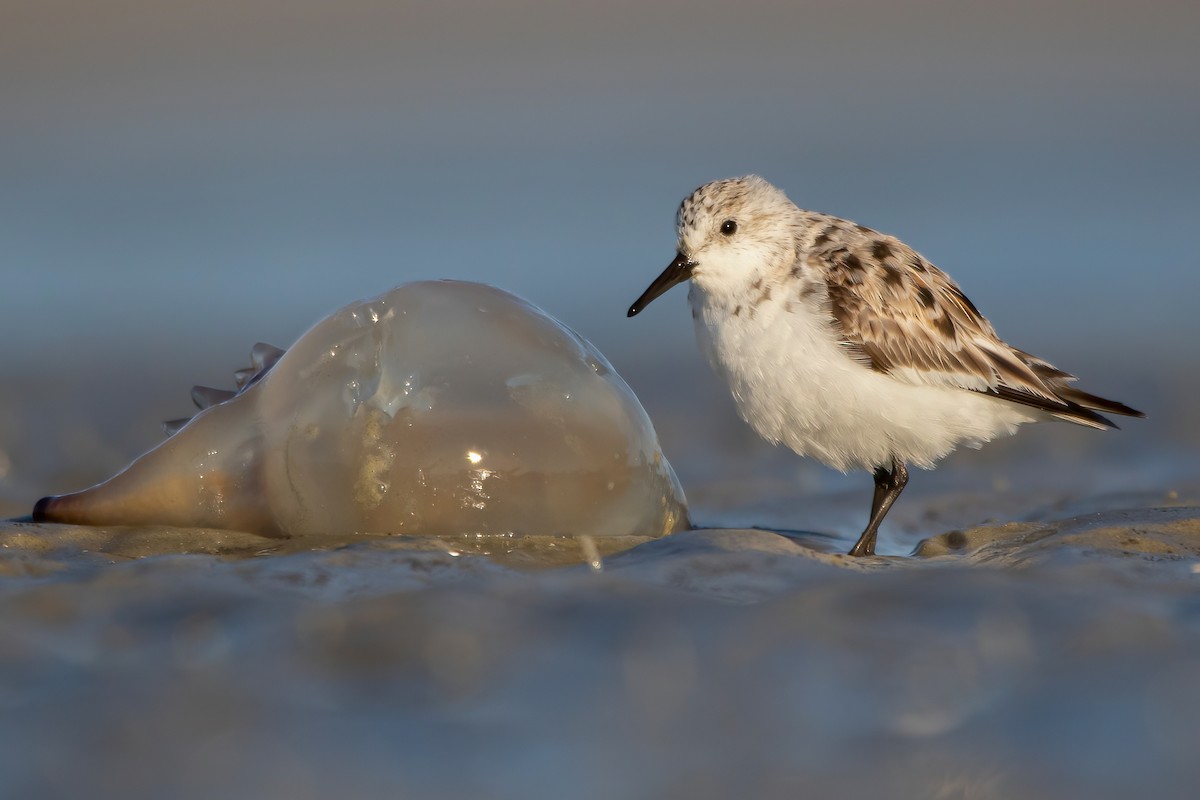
[(729, 227)]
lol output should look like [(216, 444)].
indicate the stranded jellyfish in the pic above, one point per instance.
[(437, 408)]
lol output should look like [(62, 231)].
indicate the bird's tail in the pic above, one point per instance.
[(1094, 403)]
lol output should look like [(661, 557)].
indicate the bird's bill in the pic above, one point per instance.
[(676, 272)]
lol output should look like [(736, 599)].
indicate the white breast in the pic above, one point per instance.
[(795, 384)]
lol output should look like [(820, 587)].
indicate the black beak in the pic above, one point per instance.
[(678, 271)]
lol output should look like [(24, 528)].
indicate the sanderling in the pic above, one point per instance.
[(845, 344)]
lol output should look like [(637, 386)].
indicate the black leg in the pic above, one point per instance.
[(888, 486), (882, 478)]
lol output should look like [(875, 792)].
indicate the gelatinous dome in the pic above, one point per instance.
[(437, 408)]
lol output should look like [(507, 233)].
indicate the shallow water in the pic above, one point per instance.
[(1041, 640)]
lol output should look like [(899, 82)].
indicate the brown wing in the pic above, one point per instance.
[(904, 317)]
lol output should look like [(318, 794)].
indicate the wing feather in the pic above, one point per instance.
[(902, 316)]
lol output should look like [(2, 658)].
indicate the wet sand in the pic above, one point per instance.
[(1041, 658)]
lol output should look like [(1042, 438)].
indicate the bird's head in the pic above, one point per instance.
[(732, 233)]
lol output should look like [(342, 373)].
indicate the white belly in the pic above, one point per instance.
[(793, 383)]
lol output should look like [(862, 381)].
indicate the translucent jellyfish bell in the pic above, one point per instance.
[(438, 408)]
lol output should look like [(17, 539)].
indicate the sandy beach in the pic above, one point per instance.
[(1019, 642)]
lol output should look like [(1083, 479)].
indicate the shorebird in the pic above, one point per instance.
[(847, 345)]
